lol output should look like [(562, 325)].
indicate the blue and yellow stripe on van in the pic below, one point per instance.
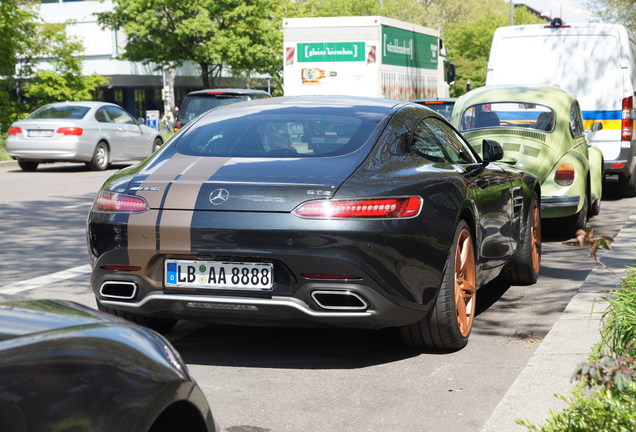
[(610, 119)]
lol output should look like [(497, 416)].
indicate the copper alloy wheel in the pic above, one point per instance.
[(535, 236), (465, 282)]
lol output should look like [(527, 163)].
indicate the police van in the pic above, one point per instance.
[(594, 62)]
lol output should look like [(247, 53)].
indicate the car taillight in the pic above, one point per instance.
[(75, 131), (382, 208), (107, 201), (564, 174), (14, 130), (627, 121)]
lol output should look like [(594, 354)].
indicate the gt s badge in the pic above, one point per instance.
[(145, 188)]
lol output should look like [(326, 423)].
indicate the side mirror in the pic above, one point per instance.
[(492, 151), (141, 121), (595, 127)]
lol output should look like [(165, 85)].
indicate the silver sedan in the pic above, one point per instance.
[(96, 133)]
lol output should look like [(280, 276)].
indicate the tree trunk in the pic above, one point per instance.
[(205, 74)]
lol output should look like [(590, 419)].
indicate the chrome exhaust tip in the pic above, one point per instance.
[(121, 290), (339, 300)]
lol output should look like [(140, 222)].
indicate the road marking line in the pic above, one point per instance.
[(37, 282)]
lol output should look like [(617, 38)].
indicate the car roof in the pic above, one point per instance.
[(554, 97), (82, 103), (320, 102), (228, 91), (445, 100)]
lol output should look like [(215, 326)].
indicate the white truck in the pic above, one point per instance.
[(594, 62), (364, 56)]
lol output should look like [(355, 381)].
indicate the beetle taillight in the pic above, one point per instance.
[(379, 208), (108, 201), (564, 174)]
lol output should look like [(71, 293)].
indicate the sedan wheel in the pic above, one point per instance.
[(449, 324), (157, 144), (28, 165), (100, 158)]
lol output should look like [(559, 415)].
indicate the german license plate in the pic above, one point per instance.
[(218, 275), (39, 133)]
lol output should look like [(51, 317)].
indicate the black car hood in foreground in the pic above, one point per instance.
[(185, 182), (64, 366), (23, 318)]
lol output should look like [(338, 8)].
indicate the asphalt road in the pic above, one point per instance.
[(289, 380)]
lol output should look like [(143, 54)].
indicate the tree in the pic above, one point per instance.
[(65, 81), (25, 40), (615, 11), (211, 33)]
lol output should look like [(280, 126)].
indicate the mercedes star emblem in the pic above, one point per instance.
[(219, 196)]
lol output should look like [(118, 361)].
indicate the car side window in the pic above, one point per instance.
[(102, 116), (120, 116), (577, 127), (435, 140)]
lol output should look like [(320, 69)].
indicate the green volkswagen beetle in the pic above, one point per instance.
[(541, 131)]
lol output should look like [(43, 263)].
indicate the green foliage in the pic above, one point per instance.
[(611, 407), (24, 87), (243, 34), (614, 11), (3, 147), (605, 411)]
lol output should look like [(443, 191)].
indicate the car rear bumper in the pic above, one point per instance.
[(312, 304), (65, 149), (559, 206)]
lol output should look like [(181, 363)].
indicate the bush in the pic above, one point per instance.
[(611, 405), (3, 147)]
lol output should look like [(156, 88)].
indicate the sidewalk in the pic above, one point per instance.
[(568, 343)]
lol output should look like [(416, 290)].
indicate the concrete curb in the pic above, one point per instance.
[(569, 342)]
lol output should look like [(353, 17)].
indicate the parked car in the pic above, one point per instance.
[(197, 102), (96, 133), (542, 132), (66, 367), (443, 106), (333, 211)]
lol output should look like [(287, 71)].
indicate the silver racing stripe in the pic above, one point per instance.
[(185, 176), (174, 228)]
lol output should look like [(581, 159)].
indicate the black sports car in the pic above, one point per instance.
[(65, 367), (315, 210)]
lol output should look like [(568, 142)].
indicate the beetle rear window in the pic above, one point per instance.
[(70, 112), (279, 132), (508, 114)]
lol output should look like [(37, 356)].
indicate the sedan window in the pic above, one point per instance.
[(71, 112), (508, 114), (118, 115)]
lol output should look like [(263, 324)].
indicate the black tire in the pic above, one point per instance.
[(161, 325), (524, 268), (448, 326), (627, 185), (579, 221), (595, 208), (156, 145), (100, 159), (28, 165)]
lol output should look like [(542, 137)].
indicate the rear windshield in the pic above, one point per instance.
[(508, 114), (193, 106), (287, 132), (60, 112)]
